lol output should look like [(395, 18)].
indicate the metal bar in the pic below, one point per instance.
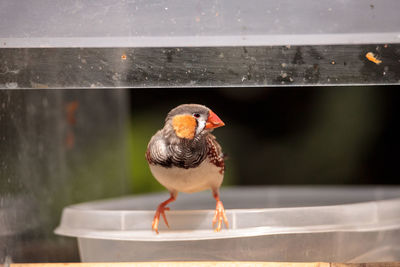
[(199, 66)]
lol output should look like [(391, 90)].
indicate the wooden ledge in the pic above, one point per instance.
[(204, 264)]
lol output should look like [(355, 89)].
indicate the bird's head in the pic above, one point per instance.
[(190, 120)]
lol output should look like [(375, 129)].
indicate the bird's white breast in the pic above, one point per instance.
[(205, 176)]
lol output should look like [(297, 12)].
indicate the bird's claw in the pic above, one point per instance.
[(160, 211), (219, 216)]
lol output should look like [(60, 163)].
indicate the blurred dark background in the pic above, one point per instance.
[(290, 135), (60, 147)]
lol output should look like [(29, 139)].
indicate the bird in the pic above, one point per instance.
[(185, 157)]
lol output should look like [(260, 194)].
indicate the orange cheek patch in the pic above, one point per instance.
[(184, 126)]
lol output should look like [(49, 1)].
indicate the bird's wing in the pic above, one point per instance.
[(215, 152)]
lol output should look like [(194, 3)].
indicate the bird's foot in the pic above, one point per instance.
[(219, 217), (160, 211)]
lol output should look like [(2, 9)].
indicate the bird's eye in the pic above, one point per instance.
[(196, 115)]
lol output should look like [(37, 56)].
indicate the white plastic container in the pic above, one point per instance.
[(341, 224)]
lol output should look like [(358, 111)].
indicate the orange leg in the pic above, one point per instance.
[(219, 214), (160, 211)]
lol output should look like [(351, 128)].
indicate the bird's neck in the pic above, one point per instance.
[(186, 153), (175, 140)]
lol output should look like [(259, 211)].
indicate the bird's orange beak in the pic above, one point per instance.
[(213, 121)]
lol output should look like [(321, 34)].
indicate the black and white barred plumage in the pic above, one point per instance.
[(169, 151), (181, 153)]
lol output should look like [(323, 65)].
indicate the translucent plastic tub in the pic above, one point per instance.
[(341, 224)]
